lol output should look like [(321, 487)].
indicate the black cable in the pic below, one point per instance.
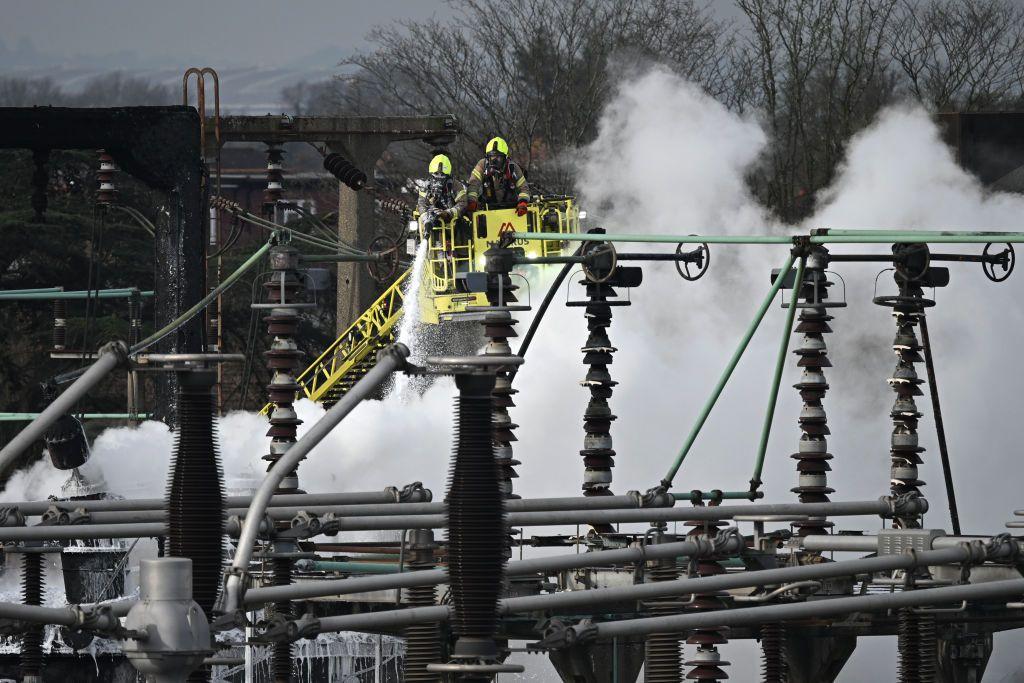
[(940, 430), (236, 231), (250, 346), (556, 284)]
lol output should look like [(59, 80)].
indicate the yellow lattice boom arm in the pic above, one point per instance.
[(354, 344)]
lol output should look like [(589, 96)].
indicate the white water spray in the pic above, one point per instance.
[(410, 327)]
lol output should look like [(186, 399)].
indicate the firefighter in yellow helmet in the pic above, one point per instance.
[(441, 197), (496, 179)]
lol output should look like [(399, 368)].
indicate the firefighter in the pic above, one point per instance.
[(498, 180), (443, 198)]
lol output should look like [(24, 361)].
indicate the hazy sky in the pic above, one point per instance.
[(152, 34), (223, 33)]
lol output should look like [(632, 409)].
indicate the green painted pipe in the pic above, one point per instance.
[(355, 567), (340, 258), (661, 239), (75, 295), (204, 302), (833, 232), (780, 361), (25, 417), (869, 237), (31, 290), (911, 238), (726, 495), (727, 373)]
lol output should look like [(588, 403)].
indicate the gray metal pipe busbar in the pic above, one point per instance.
[(869, 542), (831, 607), (285, 512), (111, 356), (389, 496), (729, 544), (974, 552), (390, 359), (883, 506)]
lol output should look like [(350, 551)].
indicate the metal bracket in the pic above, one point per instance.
[(559, 635), (277, 629)]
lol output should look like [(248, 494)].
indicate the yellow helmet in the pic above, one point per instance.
[(440, 164), (497, 145)]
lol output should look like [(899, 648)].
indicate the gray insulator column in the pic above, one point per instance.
[(812, 456), (422, 641), (907, 310), (706, 661), (662, 652), (283, 291), (32, 579), (499, 327)]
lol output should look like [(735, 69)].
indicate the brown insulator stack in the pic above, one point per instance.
[(773, 653), (907, 643), (662, 653), (598, 454), (195, 494), (395, 206), (60, 324), (927, 647), (106, 193), (908, 309), (812, 456), (281, 655), (283, 290), (706, 662), (499, 327), (422, 641), (275, 180), (32, 594), (476, 527)]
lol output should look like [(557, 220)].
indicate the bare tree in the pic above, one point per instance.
[(818, 71), (534, 71), (961, 54), (109, 90)]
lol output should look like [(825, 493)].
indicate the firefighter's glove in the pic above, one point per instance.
[(521, 208), (471, 205)]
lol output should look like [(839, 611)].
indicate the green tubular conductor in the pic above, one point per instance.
[(355, 567), (28, 417), (657, 239), (832, 232), (204, 302), (727, 373), (76, 295), (780, 361), (832, 237), (921, 238)]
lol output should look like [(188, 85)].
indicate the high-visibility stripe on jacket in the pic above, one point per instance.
[(452, 197), (504, 188)]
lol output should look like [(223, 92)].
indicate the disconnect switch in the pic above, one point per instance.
[(900, 541)]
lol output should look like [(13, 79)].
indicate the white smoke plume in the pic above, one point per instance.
[(670, 159)]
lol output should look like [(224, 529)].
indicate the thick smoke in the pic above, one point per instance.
[(670, 159)]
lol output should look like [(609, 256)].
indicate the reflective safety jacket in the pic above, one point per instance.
[(489, 186), (449, 195)]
